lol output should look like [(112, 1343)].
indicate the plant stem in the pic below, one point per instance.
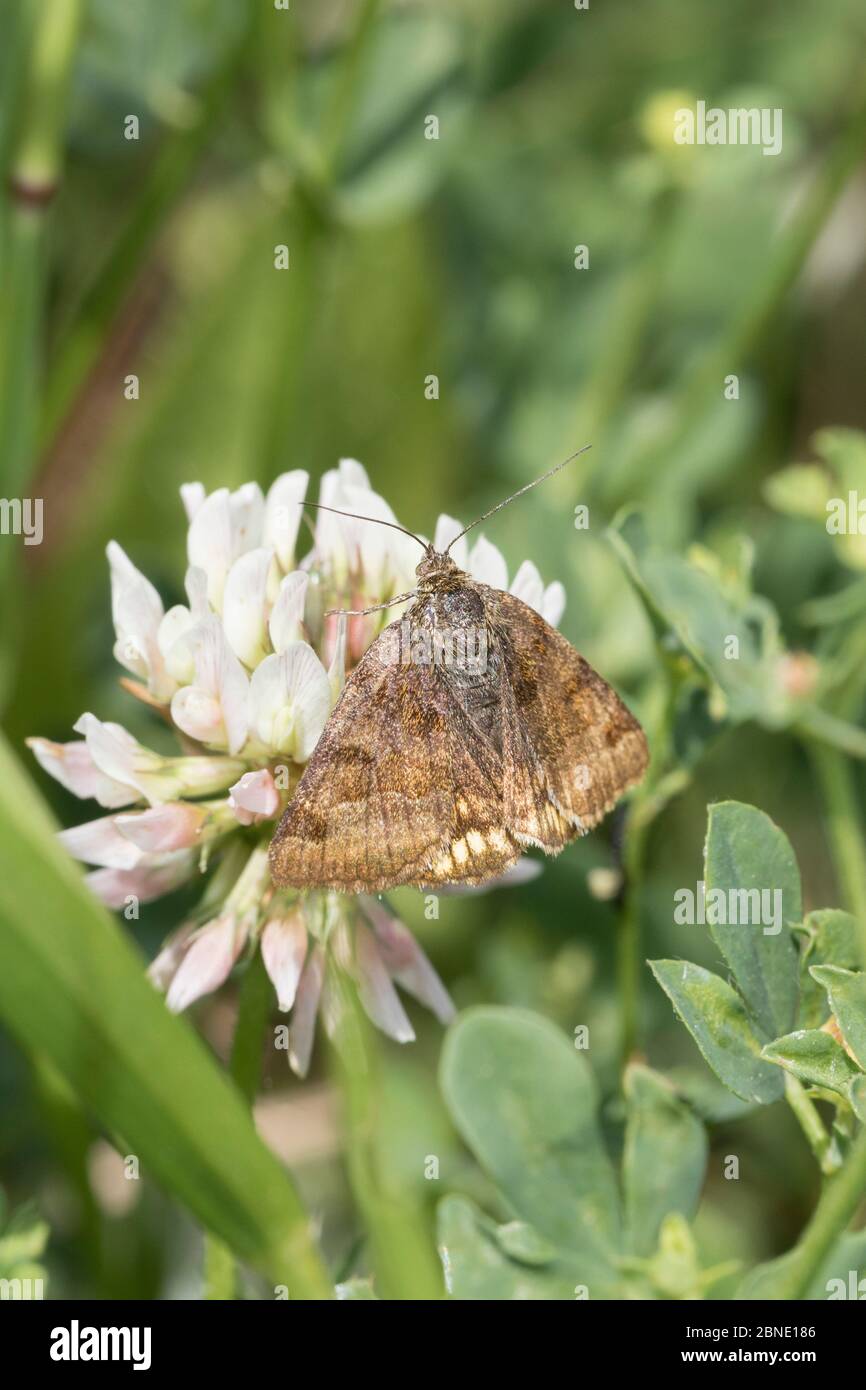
[(845, 829), (629, 940), (402, 1249), (254, 1011), (31, 181), (837, 1204), (821, 1143)]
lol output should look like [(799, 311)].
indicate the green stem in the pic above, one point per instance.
[(837, 1204), (402, 1250), (845, 829), (629, 939), (31, 182), (36, 164), (254, 1012), (821, 1143), (662, 782)]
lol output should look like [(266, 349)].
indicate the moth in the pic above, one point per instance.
[(470, 730)]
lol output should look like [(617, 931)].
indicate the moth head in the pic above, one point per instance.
[(434, 567)]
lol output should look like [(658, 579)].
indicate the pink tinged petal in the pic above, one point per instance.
[(213, 709), (290, 699), (115, 752), (528, 585), (250, 591), (406, 962), (447, 529), (155, 778), (192, 495), (283, 511), (207, 963), (553, 605), (487, 564), (378, 995), (254, 798), (100, 842), (162, 968), (136, 610), (303, 1026), (162, 829), (284, 950), (200, 716), (72, 765), (150, 879), (287, 615)]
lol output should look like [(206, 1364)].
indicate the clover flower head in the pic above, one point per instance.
[(246, 673)]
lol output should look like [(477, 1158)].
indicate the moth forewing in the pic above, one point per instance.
[(470, 729)]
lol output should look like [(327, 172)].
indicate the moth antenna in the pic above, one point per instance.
[(376, 608), (520, 491), (379, 521)]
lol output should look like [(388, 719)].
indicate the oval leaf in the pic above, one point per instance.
[(750, 863), (525, 1103), (664, 1159), (716, 1017)]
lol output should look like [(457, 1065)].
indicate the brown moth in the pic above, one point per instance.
[(469, 730)]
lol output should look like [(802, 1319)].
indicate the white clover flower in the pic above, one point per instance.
[(247, 673)]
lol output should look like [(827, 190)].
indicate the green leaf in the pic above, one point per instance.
[(525, 1103), (716, 1017), (664, 1159), (523, 1243), (846, 990), (73, 988), (477, 1267), (751, 861), (814, 1057), (683, 600), (832, 938)]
